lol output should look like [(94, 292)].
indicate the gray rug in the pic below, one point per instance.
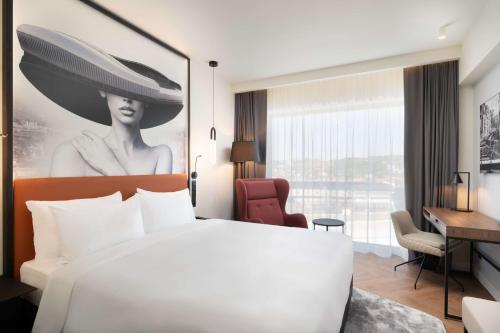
[(370, 313)]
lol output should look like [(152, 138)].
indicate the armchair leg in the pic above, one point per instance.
[(409, 261), (419, 271)]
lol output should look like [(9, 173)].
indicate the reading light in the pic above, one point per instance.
[(458, 180), (442, 33), (194, 175)]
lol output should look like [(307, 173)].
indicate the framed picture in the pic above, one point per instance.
[(489, 135), (86, 93), (94, 96)]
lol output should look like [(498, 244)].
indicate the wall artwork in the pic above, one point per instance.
[(92, 96), (489, 134)]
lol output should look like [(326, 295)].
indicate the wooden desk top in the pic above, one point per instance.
[(467, 225)]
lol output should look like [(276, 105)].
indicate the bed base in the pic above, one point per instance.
[(33, 309), (346, 310)]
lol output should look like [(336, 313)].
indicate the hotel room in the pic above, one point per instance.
[(250, 166)]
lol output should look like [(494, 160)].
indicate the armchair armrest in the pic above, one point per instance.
[(295, 220), (253, 220)]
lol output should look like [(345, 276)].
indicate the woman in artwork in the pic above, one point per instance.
[(125, 95), (121, 152)]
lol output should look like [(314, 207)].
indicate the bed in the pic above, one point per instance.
[(209, 276), (36, 273)]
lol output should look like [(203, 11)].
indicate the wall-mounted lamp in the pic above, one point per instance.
[(458, 180), (213, 132), (194, 176)]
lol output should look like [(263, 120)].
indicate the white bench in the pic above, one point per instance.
[(480, 315)]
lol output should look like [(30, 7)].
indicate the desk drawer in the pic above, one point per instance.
[(440, 226)]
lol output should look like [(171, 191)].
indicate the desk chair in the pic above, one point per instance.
[(411, 238)]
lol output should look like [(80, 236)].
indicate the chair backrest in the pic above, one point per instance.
[(403, 223), (262, 198)]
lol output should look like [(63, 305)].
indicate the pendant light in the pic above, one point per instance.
[(213, 133)]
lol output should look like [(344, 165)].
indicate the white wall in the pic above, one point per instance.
[(465, 163), (488, 184), (481, 46), (479, 80), (215, 182), (466, 132)]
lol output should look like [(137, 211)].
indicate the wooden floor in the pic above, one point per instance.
[(376, 275)]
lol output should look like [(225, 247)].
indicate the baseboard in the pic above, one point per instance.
[(487, 284)]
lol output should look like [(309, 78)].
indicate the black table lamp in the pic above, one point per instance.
[(244, 151), (458, 180)]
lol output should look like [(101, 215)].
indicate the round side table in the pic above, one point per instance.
[(325, 222)]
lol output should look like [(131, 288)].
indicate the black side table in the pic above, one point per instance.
[(16, 314), (328, 223)]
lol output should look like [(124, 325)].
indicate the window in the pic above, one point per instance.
[(340, 144)]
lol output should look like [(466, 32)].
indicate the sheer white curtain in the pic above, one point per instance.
[(339, 143)]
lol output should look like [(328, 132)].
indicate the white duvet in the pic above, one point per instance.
[(210, 276)]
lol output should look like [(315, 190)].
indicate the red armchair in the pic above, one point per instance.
[(263, 200)]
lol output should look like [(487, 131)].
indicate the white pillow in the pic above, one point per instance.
[(46, 236), (162, 209), (83, 231)]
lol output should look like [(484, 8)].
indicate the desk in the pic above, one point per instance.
[(470, 226)]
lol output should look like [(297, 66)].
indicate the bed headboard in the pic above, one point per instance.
[(68, 188)]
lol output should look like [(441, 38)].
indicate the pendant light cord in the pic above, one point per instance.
[(213, 96)]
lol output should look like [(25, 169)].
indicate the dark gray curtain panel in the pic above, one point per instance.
[(250, 124), (431, 136)]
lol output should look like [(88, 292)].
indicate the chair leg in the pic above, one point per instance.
[(409, 261), (419, 272)]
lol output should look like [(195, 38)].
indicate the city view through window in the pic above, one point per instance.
[(343, 159)]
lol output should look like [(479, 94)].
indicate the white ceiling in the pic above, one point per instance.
[(254, 39)]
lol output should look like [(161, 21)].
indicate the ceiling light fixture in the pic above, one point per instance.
[(442, 32)]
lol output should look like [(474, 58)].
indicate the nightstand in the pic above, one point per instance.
[(16, 314)]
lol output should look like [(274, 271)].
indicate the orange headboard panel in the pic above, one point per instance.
[(68, 188)]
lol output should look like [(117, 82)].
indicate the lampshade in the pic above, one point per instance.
[(457, 179), (244, 151), (213, 146)]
